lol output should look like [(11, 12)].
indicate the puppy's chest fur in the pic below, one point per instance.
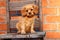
[(28, 21)]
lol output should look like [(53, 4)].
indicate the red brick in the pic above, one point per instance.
[(49, 11), (49, 26), (58, 18), (2, 3), (44, 3), (3, 0), (59, 11), (3, 27), (53, 18), (52, 34), (3, 10), (2, 19), (58, 26), (54, 2), (2, 32)]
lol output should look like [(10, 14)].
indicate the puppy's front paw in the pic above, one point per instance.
[(23, 32), (32, 31)]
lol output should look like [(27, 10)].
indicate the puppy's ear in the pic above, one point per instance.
[(35, 7), (23, 11)]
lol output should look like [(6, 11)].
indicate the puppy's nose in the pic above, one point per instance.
[(29, 12)]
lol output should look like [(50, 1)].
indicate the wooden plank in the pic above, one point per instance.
[(36, 35), (17, 5)]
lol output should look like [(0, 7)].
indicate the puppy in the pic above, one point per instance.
[(26, 22)]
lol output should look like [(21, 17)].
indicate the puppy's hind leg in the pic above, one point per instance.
[(18, 27)]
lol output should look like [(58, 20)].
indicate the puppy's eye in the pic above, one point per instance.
[(26, 10), (31, 9)]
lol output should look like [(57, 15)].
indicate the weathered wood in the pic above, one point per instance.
[(7, 16), (17, 5), (14, 35)]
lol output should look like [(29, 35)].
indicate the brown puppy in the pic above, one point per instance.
[(26, 23)]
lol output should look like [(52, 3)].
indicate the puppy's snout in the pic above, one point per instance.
[(29, 12)]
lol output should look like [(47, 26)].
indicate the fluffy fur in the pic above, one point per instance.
[(26, 22)]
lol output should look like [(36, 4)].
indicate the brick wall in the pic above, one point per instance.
[(3, 25), (51, 18)]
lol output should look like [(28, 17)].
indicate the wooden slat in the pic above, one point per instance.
[(17, 5), (13, 23)]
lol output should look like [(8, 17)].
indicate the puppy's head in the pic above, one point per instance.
[(29, 10)]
